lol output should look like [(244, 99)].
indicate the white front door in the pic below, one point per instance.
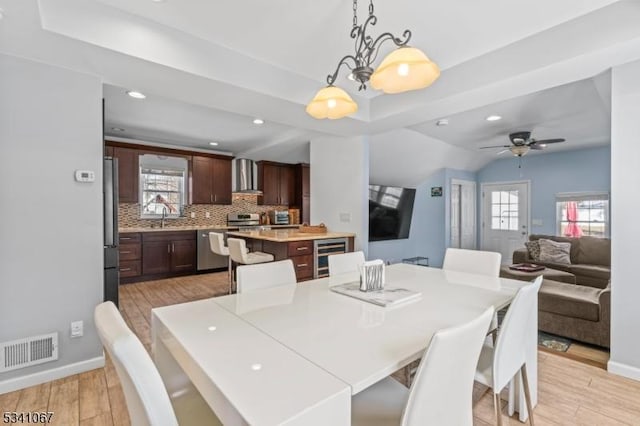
[(505, 217)]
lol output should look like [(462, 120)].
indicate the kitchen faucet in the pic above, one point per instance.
[(164, 216)]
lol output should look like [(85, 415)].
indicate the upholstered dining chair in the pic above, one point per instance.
[(441, 393), (472, 261), (216, 244), (265, 275), (500, 363), (345, 263), (148, 402)]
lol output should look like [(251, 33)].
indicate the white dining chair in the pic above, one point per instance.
[(472, 261), (500, 363), (441, 393), (265, 275), (345, 263), (216, 244), (148, 402)]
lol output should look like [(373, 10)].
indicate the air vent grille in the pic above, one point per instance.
[(28, 351)]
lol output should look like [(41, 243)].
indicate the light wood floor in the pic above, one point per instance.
[(570, 392)]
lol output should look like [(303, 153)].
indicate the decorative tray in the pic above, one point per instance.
[(319, 229), (526, 267)]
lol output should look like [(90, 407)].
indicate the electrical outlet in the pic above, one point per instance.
[(77, 329), (193, 215), (207, 215)]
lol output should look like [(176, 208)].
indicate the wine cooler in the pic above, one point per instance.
[(322, 250)]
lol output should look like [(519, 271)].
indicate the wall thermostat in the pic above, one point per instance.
[(85, 176)]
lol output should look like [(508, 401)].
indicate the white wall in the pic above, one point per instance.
[(340, 184), (625, 229), (51, 256)]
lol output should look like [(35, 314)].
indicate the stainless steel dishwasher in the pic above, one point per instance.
[(206, 258)]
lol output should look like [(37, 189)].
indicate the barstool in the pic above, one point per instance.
[(238, 253), (216, 243)]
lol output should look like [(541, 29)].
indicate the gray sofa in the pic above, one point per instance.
[(580, 311)]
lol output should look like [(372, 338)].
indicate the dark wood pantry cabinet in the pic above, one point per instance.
[(277, 183), (211, 180)]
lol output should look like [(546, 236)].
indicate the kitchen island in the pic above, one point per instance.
[(309, 252)]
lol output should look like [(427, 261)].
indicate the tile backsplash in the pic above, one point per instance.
[(129, 213)]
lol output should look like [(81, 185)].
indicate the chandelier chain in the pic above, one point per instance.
[(355, 13), (370, 7)]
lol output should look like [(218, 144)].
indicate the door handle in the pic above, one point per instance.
[(125, 252), (302, 265), (302, 248), (125, 269), (173, 247), (215, 197)]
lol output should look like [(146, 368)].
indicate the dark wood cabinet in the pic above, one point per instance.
[(211, 180), (302, 198), (277, 183), (168, 252), (128, 174), (130, 253)]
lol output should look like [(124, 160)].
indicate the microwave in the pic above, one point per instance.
[(279, 217)]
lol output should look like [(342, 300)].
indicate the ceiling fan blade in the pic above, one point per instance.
[(546, 141), (496, 146), (536, 147), (502, 152)]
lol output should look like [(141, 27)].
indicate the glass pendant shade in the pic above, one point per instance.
[(404, 69), (519, 150), (331, 102)]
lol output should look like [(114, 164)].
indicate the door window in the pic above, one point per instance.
[(504, 210)]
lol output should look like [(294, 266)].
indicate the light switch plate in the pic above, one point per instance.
[(207, 215), (345, 217), (77, 329)]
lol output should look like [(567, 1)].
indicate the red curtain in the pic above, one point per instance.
[(572, 230)]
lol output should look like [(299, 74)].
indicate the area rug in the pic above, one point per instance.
[(553, 342)]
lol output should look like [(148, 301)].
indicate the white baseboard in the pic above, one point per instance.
[(22, 382), (623, 370)]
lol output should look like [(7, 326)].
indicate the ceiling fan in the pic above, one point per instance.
[(522, 142)]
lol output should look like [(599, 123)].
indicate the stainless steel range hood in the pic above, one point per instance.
[(246, 182)]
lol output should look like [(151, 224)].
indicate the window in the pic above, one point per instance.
[(583, 214), (504, 210), (162, 185)]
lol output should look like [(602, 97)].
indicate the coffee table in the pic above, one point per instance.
[(547, 273)]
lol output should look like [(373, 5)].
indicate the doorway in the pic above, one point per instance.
[(505, 217), (463, 214)]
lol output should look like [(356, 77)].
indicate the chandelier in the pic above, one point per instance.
[(404, 69)]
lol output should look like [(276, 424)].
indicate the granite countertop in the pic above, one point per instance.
[(285, 236), (192, 228)]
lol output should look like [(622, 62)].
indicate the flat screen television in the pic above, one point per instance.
[(390, 210)]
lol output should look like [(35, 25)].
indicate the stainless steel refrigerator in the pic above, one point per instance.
[(110, 192)]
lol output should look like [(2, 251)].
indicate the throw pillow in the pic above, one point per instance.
[(533, 247), (554, 252)]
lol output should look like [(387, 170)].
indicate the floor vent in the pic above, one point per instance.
[(30, 351)]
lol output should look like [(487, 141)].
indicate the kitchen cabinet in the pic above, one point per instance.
[(128, 174), (303, 191), (168, 252), (277, 183), (211, 180), (130, 254)]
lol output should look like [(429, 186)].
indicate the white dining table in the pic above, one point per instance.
[(315, 347)]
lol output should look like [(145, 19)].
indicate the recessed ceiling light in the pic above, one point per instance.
[(117, 129), (212, 328), (213, 143), (493, 118), (136, 95), (442, 122), (158, 1), (256, 367), (258, 121)]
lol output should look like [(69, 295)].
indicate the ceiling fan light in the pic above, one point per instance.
[(404, 69), (331, 102), (519, 150)]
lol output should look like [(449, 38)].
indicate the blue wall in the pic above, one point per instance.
[(570, 171), (429, 223)]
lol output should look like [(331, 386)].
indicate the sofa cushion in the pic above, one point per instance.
[(592, 275), (575, 301), (554, 251), (533, 247), (575, 242), (594, 251)]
